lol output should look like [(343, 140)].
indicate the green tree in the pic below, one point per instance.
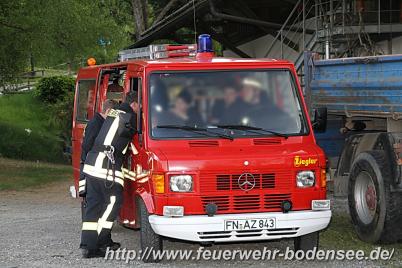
[(56, 32)]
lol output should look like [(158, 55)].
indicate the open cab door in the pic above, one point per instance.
[(84, 109), (135, 160)]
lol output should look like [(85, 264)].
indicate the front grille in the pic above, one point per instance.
[(221, 201), (283, 232), (230, 182), (274, 201), (216, 182), (246, 202)]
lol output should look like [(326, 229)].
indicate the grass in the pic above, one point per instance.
[(27, 131), (24, 111), (341, 235), (18, 175)]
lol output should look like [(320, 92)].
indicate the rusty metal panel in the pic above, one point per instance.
[(358, 86)]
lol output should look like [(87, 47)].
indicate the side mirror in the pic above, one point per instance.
[(320, 120)]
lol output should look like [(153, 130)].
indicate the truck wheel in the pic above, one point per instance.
[(151, 242), (373, 208), (306, 242)]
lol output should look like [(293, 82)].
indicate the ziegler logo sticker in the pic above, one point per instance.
[(304, 162)]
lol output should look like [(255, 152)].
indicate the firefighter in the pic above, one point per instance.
[(115, 87), (103, 172), (90, 133)]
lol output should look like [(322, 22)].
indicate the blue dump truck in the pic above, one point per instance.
[(361, 101)]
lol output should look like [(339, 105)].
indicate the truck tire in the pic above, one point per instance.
[(150, 241), (306, 242), (374, 210)]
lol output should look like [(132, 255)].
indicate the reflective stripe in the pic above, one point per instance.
[(109, 178), (101, 171), (143, 180), (127, 176), (104, 225), (102, 222), (131, 173), (125, 150), (99, 160), (133, 149), (81, 183), (81, 189), (139, 169), (89, 226), (112, 131), (143, 175)]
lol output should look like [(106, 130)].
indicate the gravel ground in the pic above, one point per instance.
[(41, 228)]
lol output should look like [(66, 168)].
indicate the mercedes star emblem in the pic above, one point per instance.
[(246, 181)]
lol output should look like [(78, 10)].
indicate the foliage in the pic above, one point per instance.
[(63, 116), (58, 94), (54, 89), (37, 125), (64, 33), (56, 32), (27, 131)]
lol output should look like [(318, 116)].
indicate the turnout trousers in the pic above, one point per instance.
[(103, 202)]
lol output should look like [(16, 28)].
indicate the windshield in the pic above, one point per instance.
[(232, 103)]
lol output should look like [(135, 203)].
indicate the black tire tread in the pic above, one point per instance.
[(392, 230), (149, 239)]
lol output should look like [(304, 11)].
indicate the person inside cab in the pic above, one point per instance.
[(114, 86), (261, 109), (115, 90), (225, 111), (182, 113)]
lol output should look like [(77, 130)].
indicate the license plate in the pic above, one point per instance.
[(250, 224)]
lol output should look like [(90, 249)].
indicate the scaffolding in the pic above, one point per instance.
[(337, 28)]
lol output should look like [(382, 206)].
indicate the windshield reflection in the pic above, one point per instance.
[(261, 99)]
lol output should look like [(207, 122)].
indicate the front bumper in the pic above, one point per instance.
[(201, 228)]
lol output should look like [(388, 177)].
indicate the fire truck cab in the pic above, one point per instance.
[(224, 150)]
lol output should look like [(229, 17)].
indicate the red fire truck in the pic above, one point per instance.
[(225, 150)]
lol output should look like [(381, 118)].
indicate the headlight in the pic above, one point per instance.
[(181, 183), (305, 179)]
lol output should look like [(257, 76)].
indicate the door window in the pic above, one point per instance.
[(86, 99)]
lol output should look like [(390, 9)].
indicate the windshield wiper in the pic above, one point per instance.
[(253, 129), (198, 130)]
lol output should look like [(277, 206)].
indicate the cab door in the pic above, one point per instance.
[(128, 213), (84, 109)]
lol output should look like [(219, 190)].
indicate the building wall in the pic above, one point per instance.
[(259, 47), (396, 46)]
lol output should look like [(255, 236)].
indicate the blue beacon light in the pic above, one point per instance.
[(204, 43)]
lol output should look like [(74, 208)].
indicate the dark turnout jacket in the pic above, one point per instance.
[(90, 133), (117, 131)]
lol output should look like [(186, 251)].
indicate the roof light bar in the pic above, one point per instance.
[(158, 52)]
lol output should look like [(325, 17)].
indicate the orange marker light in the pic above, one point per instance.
[(159, 183), (91, 61), (323, 178)]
